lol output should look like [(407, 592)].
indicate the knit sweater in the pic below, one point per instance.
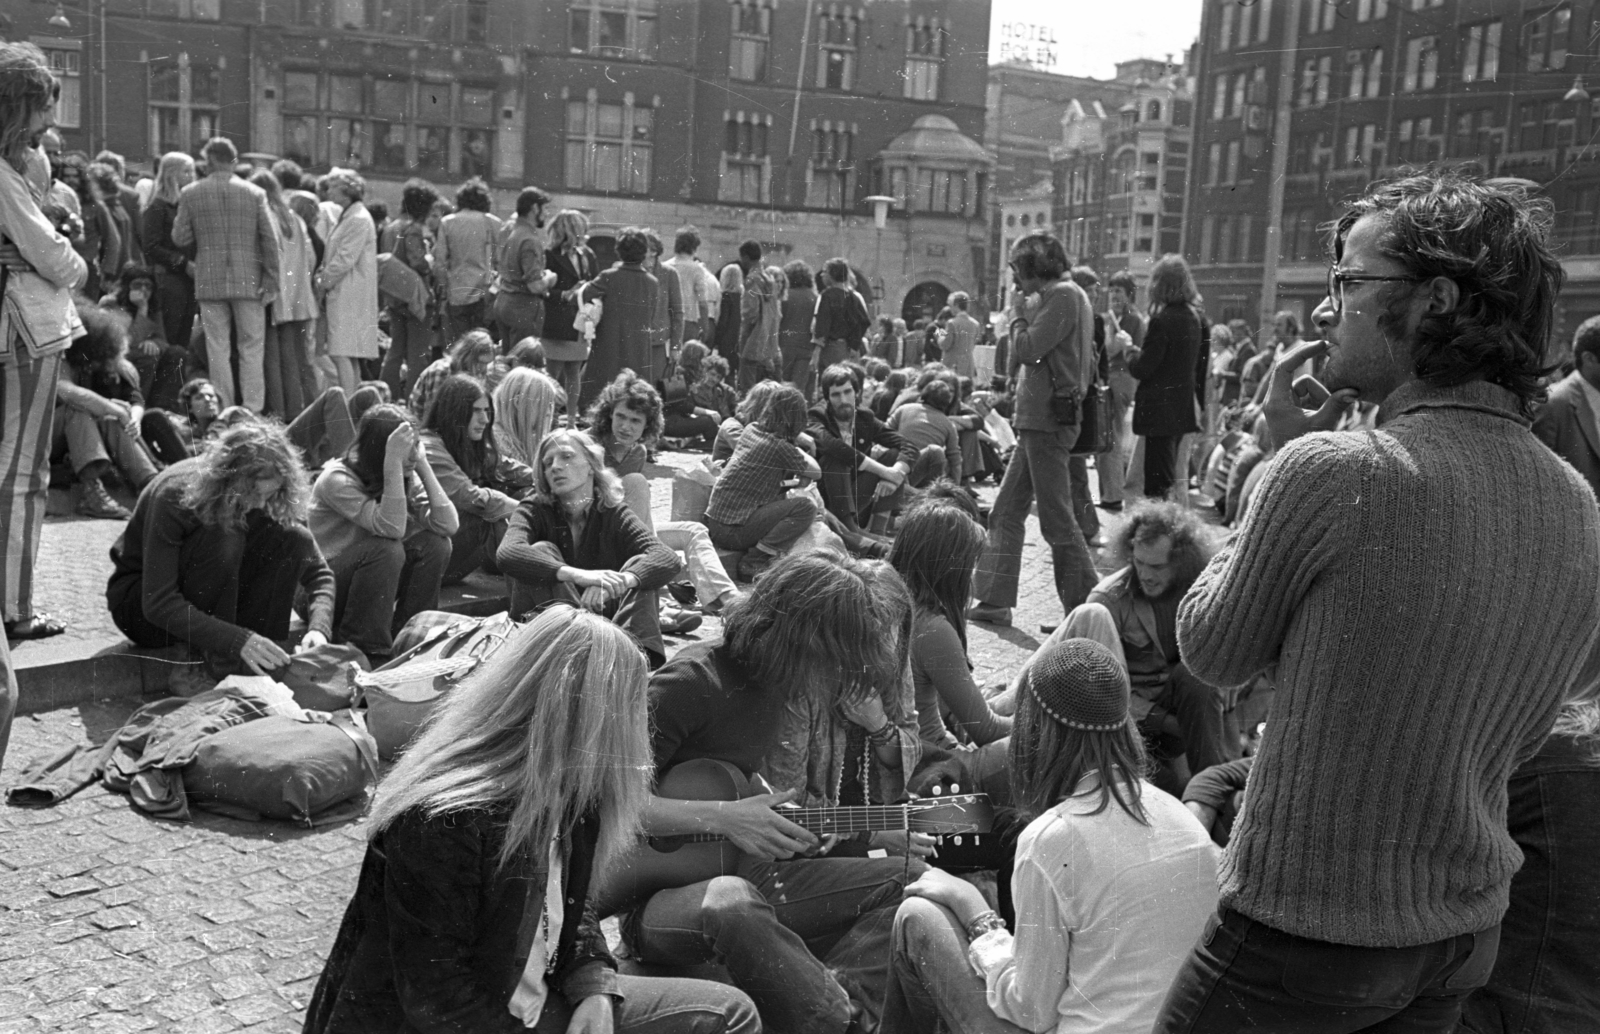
[(1427, 592)]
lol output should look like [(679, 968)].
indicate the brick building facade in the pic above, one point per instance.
[(1375, 87), (765, 118)]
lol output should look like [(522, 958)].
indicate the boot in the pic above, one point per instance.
[(97, 502)]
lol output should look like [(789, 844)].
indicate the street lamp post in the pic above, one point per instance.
[(880, 219)]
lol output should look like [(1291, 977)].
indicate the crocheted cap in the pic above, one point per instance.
[(1081, 684)]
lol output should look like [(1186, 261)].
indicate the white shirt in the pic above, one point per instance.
[(1107, 910), (707, 291)]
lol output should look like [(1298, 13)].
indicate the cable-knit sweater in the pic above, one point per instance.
[(1427, 592)]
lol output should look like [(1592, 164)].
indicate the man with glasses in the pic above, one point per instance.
[(1052, 346), (1427, 594)]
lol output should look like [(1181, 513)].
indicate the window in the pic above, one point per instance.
[(1543, 125), (1316, 81), (66, 61), (185, 102), (1366, 72), (1219, 98), (1477, 134), (752, 36), (1145, 239), (1321, 15), (745, 164), (198, 10), (1481, 61), (1225, 38), (1150, 173), (1232, 174), (941, 190), (1371, 10), (1263, 20), (925, 42), (1208, 237), (614, 28), (837, 35), (1225, 239), (1245, 13), (391, 118), (830, 181), (1246, 241), (1213, 164), (1544, 40), (609, 145), (1422, 64), (1236, 101)]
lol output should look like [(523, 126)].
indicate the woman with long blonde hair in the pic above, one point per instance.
[(174, 278), (472, 909), (525, 405), (289, 363)]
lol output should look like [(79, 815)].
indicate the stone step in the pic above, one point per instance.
[(70, 671)]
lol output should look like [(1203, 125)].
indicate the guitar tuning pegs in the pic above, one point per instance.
[(938, 791), (955, 788), (958, 840)]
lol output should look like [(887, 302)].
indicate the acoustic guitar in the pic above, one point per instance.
[(661, 863)]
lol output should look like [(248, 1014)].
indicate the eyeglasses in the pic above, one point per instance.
[(1337, 280)]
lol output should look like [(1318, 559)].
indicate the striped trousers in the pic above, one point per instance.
[(27, 406)]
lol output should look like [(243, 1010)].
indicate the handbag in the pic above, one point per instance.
[(1095, 433)]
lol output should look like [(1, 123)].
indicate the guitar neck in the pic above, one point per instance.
[(825, 821)]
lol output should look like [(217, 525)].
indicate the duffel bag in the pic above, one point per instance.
[(279, 768), (399, 697)]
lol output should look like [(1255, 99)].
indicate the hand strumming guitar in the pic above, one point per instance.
[(756, 827)]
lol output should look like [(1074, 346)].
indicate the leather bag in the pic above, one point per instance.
[(1096, 433)]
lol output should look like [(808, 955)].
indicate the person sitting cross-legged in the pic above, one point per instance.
[(857, 489), (99, 411), (1164, 549), (1113, 880), (384, 524), (574, 539)]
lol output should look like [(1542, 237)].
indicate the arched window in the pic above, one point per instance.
[(1155, 111)]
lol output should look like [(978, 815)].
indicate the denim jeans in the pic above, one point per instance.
[(246, 319), (380, 583), (1040, 468), (930, 980), (1082, 501), (1112, 466), (475, 543), (773, 526), (665, 1005), (1244, 975), (801, 937)]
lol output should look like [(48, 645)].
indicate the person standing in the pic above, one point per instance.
[(702, 295), (841, 321), (227, 221), (1164, 405), (1052, 341), (34, 251), (349, 279), (290, 373), (760, 316), (172, 261), (1416, 666), (628, 295), (464, 260), (666, 329), (1111, 466), (795, 339), (410, 336), (961, 334), (1569, 420), (519, 307), (566, 351)]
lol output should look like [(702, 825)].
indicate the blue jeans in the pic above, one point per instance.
[(930, 980), (802, 937), (1244, 975), (1039, 471), (663, 1005)]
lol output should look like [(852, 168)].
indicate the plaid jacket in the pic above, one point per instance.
[(236, 243)]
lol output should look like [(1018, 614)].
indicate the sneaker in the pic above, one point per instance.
[(989, 614), (97, 502), (678, 622)]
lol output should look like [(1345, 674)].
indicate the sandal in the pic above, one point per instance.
[(40, 626)]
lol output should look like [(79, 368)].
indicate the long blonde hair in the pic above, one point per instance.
[(607, 486), (169, 183), (553, 724), (568, 229), (525, 410), (223, 481)]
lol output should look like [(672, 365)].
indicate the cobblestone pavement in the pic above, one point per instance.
[(113, 921)]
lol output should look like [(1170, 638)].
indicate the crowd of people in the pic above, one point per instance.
[(370, 410)]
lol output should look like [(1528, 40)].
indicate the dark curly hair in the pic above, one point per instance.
[(1151, 520), (473, 194), (1492, 239), (416, 199), (629, 387), (632, 244), (104, 340)]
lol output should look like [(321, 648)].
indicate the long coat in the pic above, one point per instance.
[(1164, 404), (350, 266), (623, 338), (1567, 423)]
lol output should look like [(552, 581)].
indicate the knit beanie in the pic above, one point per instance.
[(1080, 683)]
